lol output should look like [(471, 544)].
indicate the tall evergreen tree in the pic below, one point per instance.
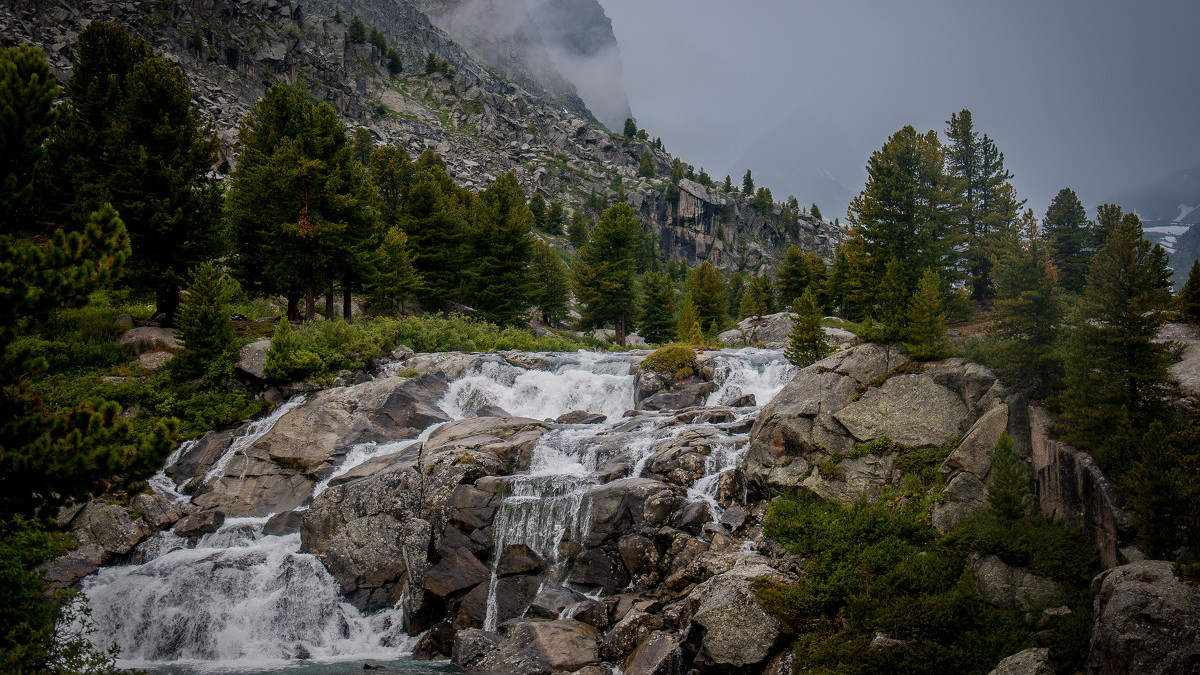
[(393, 280), (27, 95), (984, 202), (555, 218), (1189, 295), (537, 207), (747, 183), (435, 220), (689, 317), (759, 297), (646, 166), (1029, 311), (1071, 239), (577, 231), (630, 127), (807, 342), (708, 292), (550, 283), (358, 30), (502, 243), (210, 348), (901, 216), (1115, 370), (798, 271), (391, 173), (925, 329), (604, 274), (656, 323), (1007, 496), (1162, 495)]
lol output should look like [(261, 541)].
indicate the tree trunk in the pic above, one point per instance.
[(166, 301), (293, 308), (347, 306), (329, 303), (310, 302), (621, 329)]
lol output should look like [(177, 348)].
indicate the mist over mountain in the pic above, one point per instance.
[(1170, 212)]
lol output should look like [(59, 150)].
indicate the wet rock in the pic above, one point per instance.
[(66, 571), (158, 510), (660, 654), (639, 556), (472, 646), (627, 504), (632, 630), (733, 517), (552, 600), (456, 572), (513, 597), (200, 523), (747, 401), (596, 568), (580, 417), (589, 611), (108, 526), (284, 523), (1013, 587), (555, 645), (518, 559), (1035, 661), (686, 394), (1147, 620)]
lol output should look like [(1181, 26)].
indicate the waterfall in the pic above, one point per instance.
[(240, 600)]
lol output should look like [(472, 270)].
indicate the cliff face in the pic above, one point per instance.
[(233, 51)]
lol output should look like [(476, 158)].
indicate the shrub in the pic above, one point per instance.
[(285, 360), (671, 360)]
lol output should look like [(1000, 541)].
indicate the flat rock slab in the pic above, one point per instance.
[(909, 409), (153, 338)]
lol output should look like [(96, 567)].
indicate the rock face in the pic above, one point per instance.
[(1028, 662), (1187, 370), (857, 397), (1147, 621), (1013, 587), (737, 631), (253, 357), (772, 331)]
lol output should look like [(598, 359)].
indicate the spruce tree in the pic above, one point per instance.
[(646, 165), (798, 271), (1189, 295), (1071, 239), (708, 292), (502, 242), (657, 323), (550, 283), (393, 280), (210, 348), (358, 30), (27, 95), (688, 317), (377, 40), (577, 231), (285, 360), (1114, 368), (758, 298), (747, 183), (1010, 482), (925, 329), (555, 218), (630, 127), (537, 207), (435, 220), (816, 212), (1160, 494), (1029, 311), (604, 273), (807, 342)]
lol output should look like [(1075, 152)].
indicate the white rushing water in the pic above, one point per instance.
[(240, 600)]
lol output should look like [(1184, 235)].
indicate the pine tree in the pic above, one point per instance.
[(391, 173), (1159, 492), (1115, 369), (285, 361), (537, 207), (816, 212), (758, 299), (806, 343), (646, 165), (577, 231), (502, 241), (1010, 482), (1029, 311), (377, 40), (798, 271), (27, 95), (925, 331), (688, 317), (1189, 295), (630, 127), (1071, 239), (676, 170), (395, 64), (656, 323), (431, 64), (358, 30), (747, 183), (604, 274), (728, 185), (555, 218), (550, 283), (210, 348), (393, 280), (984, 201), (708, 292)]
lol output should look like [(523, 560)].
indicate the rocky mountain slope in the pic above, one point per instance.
[(232, 51)]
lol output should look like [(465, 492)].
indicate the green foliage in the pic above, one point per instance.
[(689, 317), (879, 446), (205, 330), (1008, 494), (646, 165), (1036, 542), (676, 173), (816, 212), (759, 298), (747, 183), (1071, 239), (708, 293), (393, 280), (922, 463), (630, 127), (285, 360), (763, 202), (554, 218), (1189, 295), (577, 231), (671, 360), (550, 283), (604, 274), (926, 329), (358, 30), (1163, 496), (395, 64), (498, 272), (830, 469), (806, 343), (377, 40), (27, 95), (656, 322), (537, 207)]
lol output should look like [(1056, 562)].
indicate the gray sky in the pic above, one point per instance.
[(1099, 95)]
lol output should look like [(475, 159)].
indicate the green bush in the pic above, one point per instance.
[(285, 360), (671, 360)]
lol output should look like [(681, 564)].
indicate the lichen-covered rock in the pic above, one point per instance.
[(1147, 621), (252, 359), (1013, 587), (738, 632), (660, 654), (1033, 661), (909, 409)]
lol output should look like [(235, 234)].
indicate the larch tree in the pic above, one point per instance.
[(1071, 239), (689, 317), (393, 280), (925, 329), (604, 273), (708, 292), (807, 342), (27, 115)]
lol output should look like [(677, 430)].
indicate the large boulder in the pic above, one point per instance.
[(253, 357), (660, 654), (530, 647), (1013, 587), (738, 632), (773, 331), (1147, 621), (1033, 661), (626, 505), (909, 409), (147, 338)]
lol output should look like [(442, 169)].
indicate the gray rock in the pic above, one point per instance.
[(253, 357), (597, 568), (974, 453), (1033, 661), (473, 646), (660, 654), (1013, 587), (108, 526), (148, 337), (66, 571), (627, 504), (580, 417), (513, 596), (518, 559), (124, 321), (909, 409), (287, 522), (639, 556), (552, 600), (738, 632), (964, 495), (557, 645), (1147, 620), (634, 628), (459, 571), (154, 360), (200, 523), (1187, 370)]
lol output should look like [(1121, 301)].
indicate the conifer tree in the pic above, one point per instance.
[(377, 40), (1161, 495), (1007, 494), (689, 316), (393, 280), (695, 336), (27, 95), (806, 343), (577, 231), (925, 331), (435, 220), (676, 170), (759, 298), (502, 241), (210, 348), (630, 127), (798, 271), (555, 218), (657, 323), (747, 183), (1029, 311), (550, 283), (391, 173), (1115, 369), (708, 292), (816, 212), (358, 30), (1071, 239), (1189, 295), (604, 274), (646, 165), (285, 360), (537, 207), (728, 185)]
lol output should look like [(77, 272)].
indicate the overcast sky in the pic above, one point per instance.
[(1099, 95)]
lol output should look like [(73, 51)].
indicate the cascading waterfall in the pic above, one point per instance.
[(238, 599)]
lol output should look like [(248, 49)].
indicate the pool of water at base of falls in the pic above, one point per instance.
[(238, 600)]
